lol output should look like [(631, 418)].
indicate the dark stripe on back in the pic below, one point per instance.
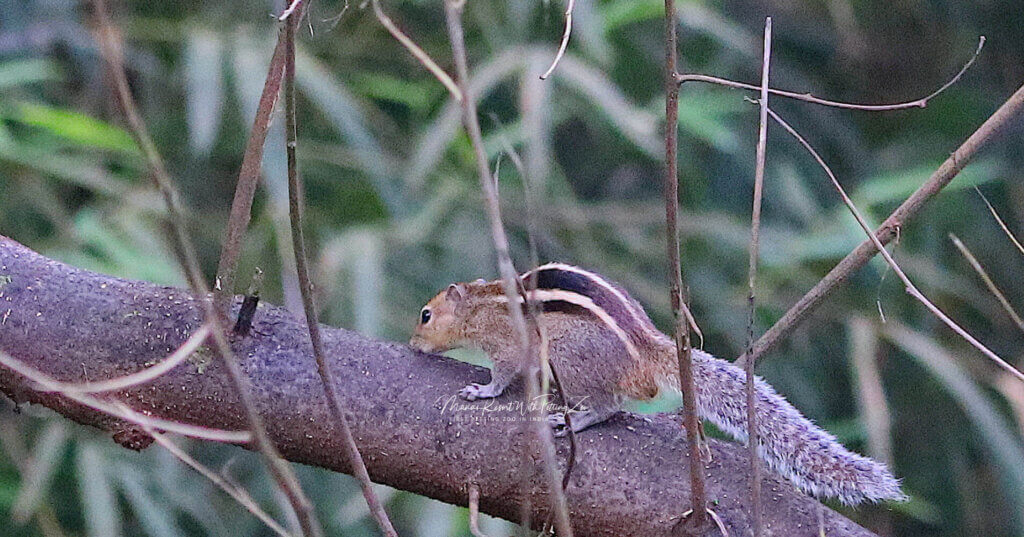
[(562, 306), (558, 279)]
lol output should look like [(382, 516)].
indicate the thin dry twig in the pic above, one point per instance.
[(474, 511), (681, 331), (416, 51), (144, 375), (988, 281), (237, 493), (529, 192), (295, 202), (48, 383), (714, 516), (807, 97), (888, 230), (565, 40), (111, 48), (294, 5), (911, 289), (755, 229), (248, 180), (1002, 224), (509, 277)]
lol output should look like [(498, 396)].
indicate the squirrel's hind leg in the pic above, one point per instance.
[(596, 412)]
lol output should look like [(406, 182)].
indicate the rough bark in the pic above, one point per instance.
[(631, 473)]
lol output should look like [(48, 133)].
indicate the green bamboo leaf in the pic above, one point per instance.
[(46, 456), (204, 88), (29, 71), (997, 435), (898, 185), (99, 498), (76, 127), (156, 518)]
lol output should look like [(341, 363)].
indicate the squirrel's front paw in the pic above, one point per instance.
[(477, 391), (557, 423)]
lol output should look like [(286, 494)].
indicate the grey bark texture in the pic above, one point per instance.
[(630, 476)]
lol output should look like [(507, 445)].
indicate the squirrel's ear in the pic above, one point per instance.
[(455, 293)]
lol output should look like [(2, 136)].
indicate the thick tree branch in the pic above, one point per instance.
[(630, 478)]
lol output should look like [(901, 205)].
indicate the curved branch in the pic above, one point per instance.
[(631, 474)]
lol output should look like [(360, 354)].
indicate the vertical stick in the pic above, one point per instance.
[(453, 17), (110, 47), (248, 180), (355, 460), (682, 329), (755, 230)]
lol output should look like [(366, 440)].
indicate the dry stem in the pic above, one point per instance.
[(911, 289), (416, 51), (306, 286), (678, 299), (110, 44), (1002, 224), (565, 40), (755, 229), (248, 179), (453, 16), (988, 281), (887, 231), (49, 384), (237, 493), (918, 103)]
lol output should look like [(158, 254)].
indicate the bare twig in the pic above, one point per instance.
[(248, 179), (1002, 224), (110, 45), (807, 97), (910, 287), (453, 16), (887, 231), (50, 384), (565, 40), (416, 51), (529, 192), (237, 493), (295, 202), (474, 511), (755, 229), (292, 6), (988, 281), (682, 332), (145, 375)]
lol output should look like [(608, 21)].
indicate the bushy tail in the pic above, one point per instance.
[(790, 443)]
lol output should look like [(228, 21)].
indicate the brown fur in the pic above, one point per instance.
[(605, 348)]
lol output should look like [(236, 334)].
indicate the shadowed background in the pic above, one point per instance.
[(394, 213)]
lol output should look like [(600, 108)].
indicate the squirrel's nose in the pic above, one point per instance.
[(419, 343)]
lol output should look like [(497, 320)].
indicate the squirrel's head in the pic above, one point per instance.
[(442, 321)]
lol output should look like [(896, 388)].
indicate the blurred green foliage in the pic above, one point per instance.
[(394, 212)]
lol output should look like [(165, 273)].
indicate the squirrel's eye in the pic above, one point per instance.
[(425, 316)]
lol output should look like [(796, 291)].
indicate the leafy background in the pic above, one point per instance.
[(394, 213)]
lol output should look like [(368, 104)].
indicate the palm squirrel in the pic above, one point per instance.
[(605, 348)]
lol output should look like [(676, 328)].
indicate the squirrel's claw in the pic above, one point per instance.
[(471, 392), (478, 391)]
